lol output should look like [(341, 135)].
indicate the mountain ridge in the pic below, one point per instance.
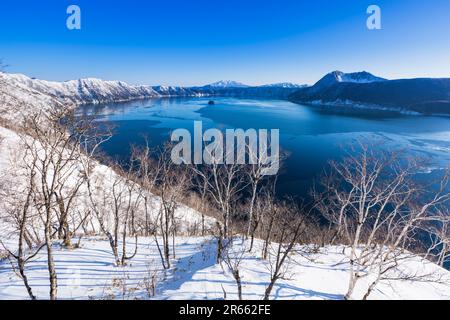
[(420, 95), (96, 91), (226, 84), (338, 89)]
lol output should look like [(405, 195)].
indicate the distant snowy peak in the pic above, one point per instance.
[(93, 91), (355, 77), (364, 90), (287, 85), (226, 84), (169, 91)]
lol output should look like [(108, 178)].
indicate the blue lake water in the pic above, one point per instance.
[(312, 136)]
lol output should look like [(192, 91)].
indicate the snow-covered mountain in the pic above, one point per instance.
[(20, 97), (226, 84), (337, 88), (92, 90), (289, 85), (356, 77), (171, 91), (364, 90), (84, 91), (87, 271), (340, 77)]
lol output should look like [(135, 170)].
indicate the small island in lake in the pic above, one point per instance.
[(211, 103)]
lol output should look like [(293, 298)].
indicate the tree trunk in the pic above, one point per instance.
[(353, 275), (351, 285), (51, 262), (237, 277), (113, 245), (269, 289), (219, 243), (251, 209), (267, 240), (21, 265)]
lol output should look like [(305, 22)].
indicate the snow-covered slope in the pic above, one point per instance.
[(363, 90), (89, 273), (289, 85), (225, 84), (91, 90), (84, 91), (356, 77), (335, 77), (19, 98), (94, 91), (171, 91), (14, 159)]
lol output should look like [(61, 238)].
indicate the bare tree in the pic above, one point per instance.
[(172, 183), (53, 145), (257, 182), (48, 151), (287, 234), (255, 176), (116, 210), (233, 256), (225, 183), (147, 172), (376, 205), (132, 208), (20, 211), (439, 238), (201, 184), (270, 212)]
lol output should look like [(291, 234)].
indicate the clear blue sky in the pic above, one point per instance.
[(192, 42)]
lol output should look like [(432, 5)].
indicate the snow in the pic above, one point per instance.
[(12, 162), (38, 94), (335, 77), (89, 273), (286, 85), (82, 91), (19, 99), (227, 84), (356, 77)]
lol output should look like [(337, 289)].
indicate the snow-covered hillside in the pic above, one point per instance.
[(91, 90), (335, 77), (89, 273), (13, 161), (354, 77), (94, 91), (421, 96), (19, 99), (289, 85), (222, 84), (171, 91)]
